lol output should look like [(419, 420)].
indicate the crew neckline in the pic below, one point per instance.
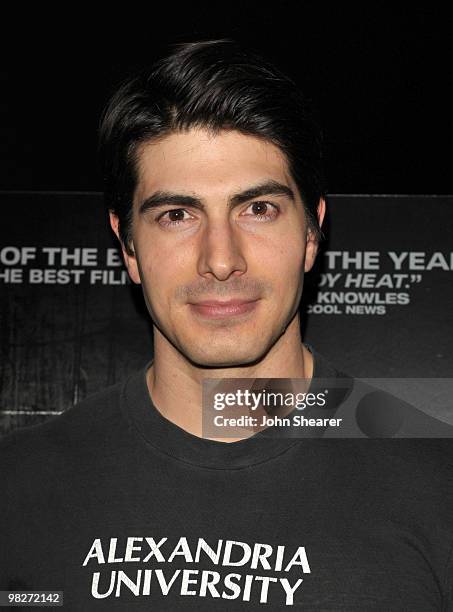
[(174, 441)]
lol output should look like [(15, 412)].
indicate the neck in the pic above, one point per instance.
[(175, 384)]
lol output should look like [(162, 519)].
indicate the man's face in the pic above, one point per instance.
[(218, 218)]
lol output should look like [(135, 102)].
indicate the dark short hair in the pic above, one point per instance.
[(216, 85)]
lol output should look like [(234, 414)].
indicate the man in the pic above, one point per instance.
[(214, 186)]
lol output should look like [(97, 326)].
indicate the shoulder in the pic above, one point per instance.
[(383, 431), (369, 410), (28, 447)]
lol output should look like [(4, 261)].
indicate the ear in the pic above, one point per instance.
[(129, 260), (311, 248)]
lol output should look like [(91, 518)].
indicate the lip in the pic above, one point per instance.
[(213, 309)]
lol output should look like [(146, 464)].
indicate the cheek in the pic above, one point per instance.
[(159, 257), (283, 260), (162, 273)]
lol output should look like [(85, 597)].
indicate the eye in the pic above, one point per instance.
[(263, 211), (173, 217)]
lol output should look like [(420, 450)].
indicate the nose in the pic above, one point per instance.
[(220, 251)]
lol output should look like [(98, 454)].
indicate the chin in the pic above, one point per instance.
[(224, 357)]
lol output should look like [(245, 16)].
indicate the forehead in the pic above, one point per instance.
[(200, 161)]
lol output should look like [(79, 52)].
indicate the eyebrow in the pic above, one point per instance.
[(163, 198)]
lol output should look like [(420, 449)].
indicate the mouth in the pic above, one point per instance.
[(213, 309)]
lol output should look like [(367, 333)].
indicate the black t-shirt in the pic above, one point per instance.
[(121, 509)]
